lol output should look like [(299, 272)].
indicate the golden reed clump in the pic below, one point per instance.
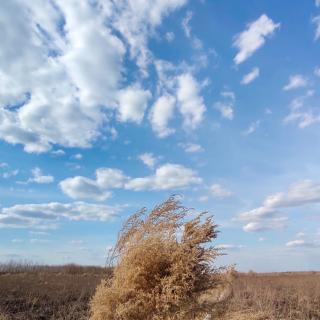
[(163, 266)]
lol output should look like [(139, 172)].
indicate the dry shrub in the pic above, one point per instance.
[(163, 267)]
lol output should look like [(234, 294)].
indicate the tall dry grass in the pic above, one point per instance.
[(290, 296), (163, 267)]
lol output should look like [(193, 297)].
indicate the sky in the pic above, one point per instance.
[(109, 106)]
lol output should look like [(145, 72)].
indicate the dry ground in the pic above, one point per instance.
[(64, 293)]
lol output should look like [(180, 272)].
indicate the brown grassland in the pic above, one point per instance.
[(163, 268), (28, 292)]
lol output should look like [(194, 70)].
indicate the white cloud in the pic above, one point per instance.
[(169, 36), (301, 114), (186, 24), (219, 191), (133, 102), (148, 159), (298, 194), (4, 165), (69, 69), (191, 147), (253, 37), (84, 188), (10, 173), (229, 247), (47, 215), (317, 3), (295, 82), (77, 156), (226, 106), (265, 217), (58, 153), (316, 21), (166, 177), (136, 20), (39, 177), (251, 76), (317, 70), (265, 225), (160, 114), (302, 243), (191, 104), (252, 128)]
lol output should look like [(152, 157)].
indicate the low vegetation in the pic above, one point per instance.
[(56, 294), (163, 267)]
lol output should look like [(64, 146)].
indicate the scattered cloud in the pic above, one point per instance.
[(317, 70), (266, 225), (301, 113), (191, 104), (161, 113), (169, 36), (47, 215), (133, 102), (316, 22), (302, 243), (148, 159), (230, 247), (166, 177), (253, 37), (77, 156), (219, 191), (63, 94), (254, 126), (226, 106), (191, 147), (58, 153), (251, 76), (39, 177), (186, 24), (317, 3), (295, 82), (266, 217)]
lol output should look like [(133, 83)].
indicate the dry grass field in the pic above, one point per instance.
[(35, 292)]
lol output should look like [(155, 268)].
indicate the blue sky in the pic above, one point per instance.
[(106, 107)]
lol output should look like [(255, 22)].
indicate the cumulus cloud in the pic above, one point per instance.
[(166, 177), (148, 159), (266, 217), (161, 113), (67, 75), (253, 38), (191, 104), (133, 102), (295, 82), (39, 177), (47, 215), (219, 191), (226, 106), (251, 76)]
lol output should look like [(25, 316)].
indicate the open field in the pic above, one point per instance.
[(33, 292)]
